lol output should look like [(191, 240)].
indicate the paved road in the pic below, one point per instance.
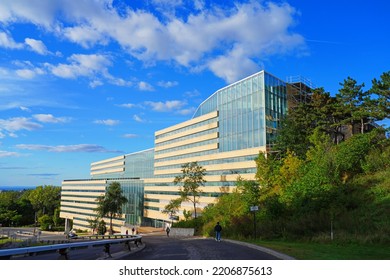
[(81, 254), (173, 248), (157, 246)]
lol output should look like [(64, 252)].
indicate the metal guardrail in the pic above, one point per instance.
[(64, 248)]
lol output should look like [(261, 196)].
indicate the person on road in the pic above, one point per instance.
[(218, 230), (168, 230)]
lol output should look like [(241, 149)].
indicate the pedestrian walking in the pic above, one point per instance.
[(168, 230), (132, 230), (218, 230), (127, 232)]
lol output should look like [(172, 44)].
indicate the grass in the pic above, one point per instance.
[(4, 240), (328, 251)]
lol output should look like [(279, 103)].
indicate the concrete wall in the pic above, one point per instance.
[(182, 232)]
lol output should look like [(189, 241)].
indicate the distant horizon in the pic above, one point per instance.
[(10, 188)]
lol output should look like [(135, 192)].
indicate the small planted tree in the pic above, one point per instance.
[(93, 224), (172, 208), (111, 203), (192, 180)]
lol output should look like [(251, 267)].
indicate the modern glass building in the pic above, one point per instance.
[(79, 197), (225, 135)]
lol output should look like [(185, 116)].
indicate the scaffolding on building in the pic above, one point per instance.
[(299, 90)]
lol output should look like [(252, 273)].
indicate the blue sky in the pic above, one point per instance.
[(82, 81)]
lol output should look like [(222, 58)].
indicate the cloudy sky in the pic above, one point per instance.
[(85, 80)]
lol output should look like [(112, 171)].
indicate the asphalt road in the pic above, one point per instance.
[(173, 248), (157, 246)]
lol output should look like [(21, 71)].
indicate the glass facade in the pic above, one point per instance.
[(139, 165), (133, 190), (249, 111), (225, 135), (134, 165)]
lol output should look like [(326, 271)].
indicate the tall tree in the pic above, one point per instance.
[(249, 190), (381, 88), (192, 180), (319, 111), (111, 203), (45, 199), (267, 170), (354, 102)]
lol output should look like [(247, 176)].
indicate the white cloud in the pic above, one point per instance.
[(167, 84), (187, 111), (8, 154), (248, 32), (39, 12), (138, 119), (227, 66), (49, 118), (144, 86), (96, 83), (29, 73), (108, 122), (6, 41), (127, 105), (82, 65), (23, 108), (19, 123), (79, 148), (167, 106), (192, 94), (92, 66), (37, 46), (129, 135), (84, 35)]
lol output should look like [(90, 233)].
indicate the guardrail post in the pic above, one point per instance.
[(63, 254), (107, 250), (128, 245)]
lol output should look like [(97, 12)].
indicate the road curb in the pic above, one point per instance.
[(263, 249)]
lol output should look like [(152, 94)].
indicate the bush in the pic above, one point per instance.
[(46, 222)]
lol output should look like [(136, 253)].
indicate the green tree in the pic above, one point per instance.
[(289, 169), (45, 199), (230, 210), (292, 136), (172, 208), (250, 191), (25, 209), (192, 180), (267, 170), (56, 217), (381, 88), (45, 222), (15, 209), (111, 203), (187, 214), (93, 224), (356, 103), (101, 228)]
